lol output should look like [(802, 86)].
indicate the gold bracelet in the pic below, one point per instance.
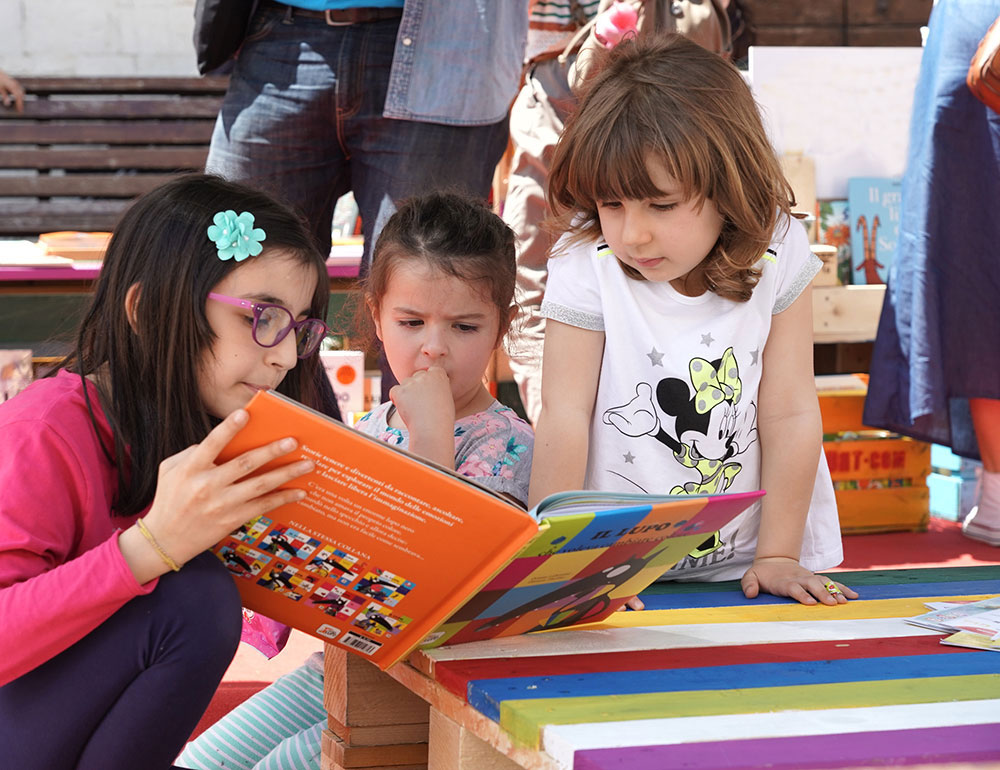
[(156, 546)]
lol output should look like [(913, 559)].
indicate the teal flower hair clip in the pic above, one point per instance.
[(235, 236)]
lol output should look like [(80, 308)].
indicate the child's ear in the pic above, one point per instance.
[(373, 311), (132, 306)]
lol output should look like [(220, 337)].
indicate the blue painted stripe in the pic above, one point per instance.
[(486, 695), (734, 598)]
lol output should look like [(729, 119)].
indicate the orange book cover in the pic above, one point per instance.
[(373, 531), (387, 546)]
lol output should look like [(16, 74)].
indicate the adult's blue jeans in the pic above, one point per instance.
[(302, 120)]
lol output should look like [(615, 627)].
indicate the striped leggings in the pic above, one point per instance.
[(278, 728)]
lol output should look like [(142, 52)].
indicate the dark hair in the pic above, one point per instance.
[(148, 372), (667, 96), (453, 233)]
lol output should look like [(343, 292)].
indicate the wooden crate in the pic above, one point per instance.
[(373, 722), (880, 481), (827, 276), (878, 455), (864, 511), (846, 313), (842, 401)]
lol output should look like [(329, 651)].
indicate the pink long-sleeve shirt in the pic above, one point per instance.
[(62, 573)]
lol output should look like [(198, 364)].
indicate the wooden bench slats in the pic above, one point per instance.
[(81, 185), (106, 140), (23, 225), (131, 132), (116, 108), (124, 85), (60, 214), (110, 158), (883, 12)]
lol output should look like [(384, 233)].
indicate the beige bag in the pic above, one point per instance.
[(703, 21)]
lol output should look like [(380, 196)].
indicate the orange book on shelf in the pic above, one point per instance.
[(387, 547), (75, 245)]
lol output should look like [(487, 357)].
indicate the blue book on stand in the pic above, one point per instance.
[(874, 207)]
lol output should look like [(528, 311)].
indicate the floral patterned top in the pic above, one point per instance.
[(493, 446)]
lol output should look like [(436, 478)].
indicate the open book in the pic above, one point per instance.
[(971, 624), (390, 552)]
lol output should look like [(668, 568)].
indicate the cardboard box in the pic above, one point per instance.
[(878, 455)]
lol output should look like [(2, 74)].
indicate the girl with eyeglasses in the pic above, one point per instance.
[(117, 624)]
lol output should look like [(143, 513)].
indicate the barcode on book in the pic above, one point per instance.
[(360, 643)]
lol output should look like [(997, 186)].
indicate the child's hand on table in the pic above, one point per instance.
[(783, 576), (635, 603)]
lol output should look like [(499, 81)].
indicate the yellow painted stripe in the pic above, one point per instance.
[(756, 613), (524, 719)]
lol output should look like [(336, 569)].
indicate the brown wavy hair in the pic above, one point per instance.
[(666, 96)]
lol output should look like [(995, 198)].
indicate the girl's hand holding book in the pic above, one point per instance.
[(198, 502)]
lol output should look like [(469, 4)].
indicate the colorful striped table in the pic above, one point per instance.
[(704, 678)]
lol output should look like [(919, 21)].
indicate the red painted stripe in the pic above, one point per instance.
[(455, 675)]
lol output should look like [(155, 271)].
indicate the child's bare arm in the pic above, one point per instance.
[(791, 439), (570, 372)]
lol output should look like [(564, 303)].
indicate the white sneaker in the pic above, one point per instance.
[(986, 533)]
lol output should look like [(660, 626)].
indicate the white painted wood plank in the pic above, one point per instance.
[(573, 642)]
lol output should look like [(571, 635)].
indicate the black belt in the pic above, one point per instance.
[(338, 18)]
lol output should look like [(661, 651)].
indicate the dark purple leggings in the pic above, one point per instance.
[(128, 694)]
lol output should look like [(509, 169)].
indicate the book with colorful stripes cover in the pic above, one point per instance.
[(389, 552)]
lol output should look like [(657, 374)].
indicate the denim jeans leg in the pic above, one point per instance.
[(394, 159), (277, 127)]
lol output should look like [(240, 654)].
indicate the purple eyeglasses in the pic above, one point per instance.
[(271, 324)]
